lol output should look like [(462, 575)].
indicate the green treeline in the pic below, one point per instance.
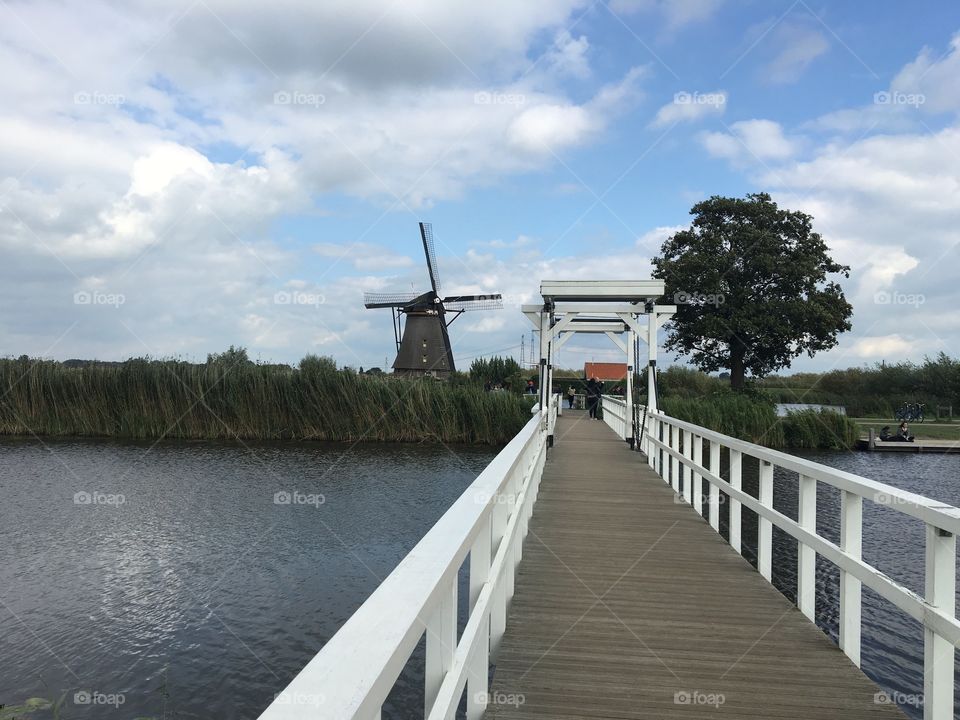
[(230, 398)]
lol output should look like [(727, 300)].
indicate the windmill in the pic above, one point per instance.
[(420, 319)]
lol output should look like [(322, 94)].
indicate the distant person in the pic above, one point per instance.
[(487, 387), (885, 433), (531, 388), (903, 433), (571, 396), (594, 390)]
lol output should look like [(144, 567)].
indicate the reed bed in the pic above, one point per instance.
[(148, 399), (754, 420)]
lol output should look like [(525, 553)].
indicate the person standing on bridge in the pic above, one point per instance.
[(571, 395), (594, 389)]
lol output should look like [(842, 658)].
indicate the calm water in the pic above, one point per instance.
[(196, 595)]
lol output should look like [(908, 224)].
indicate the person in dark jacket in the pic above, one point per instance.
[(594, 391)]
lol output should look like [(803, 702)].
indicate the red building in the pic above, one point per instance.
[(605, 371)]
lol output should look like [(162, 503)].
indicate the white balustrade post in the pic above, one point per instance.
[(851, 542), (714, 490), (478, 669), (736, 469), (764, 526), (938, 652), (441, 644), (480, 562), (674, 444), (685, 477), (696, 456), (806, 555)]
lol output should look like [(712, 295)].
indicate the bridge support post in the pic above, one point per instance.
[(851, 541), (441, 644), (806, 556), (631, 431), (764, 526), (938, 652), (736, 472), (714, 499)]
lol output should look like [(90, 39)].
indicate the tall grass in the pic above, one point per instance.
[(754, 420), (145, 398)]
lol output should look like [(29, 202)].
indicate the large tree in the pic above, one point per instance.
[(753, 287)]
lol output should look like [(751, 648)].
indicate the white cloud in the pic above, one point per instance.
[(691, 106), (893, 347), (751, 140), (799, 47), (936, 80), (676, 13), (652, 240)]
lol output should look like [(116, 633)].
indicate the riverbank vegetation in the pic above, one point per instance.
[(232, 398)]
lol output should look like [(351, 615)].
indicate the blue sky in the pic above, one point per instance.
[(179, 177)]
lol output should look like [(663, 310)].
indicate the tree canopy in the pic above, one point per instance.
[(753, 285)]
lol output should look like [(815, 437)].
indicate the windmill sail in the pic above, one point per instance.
[(382, 300), (461, 303), (426, 234)]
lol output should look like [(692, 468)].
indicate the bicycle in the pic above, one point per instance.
[(910, 412)]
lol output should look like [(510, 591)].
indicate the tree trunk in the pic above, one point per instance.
[(737, 373)]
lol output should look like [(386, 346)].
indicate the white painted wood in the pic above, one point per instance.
[(736, 471), (696, 480), (714, 499), (764, 526), (674, 458), (938, 652), (904, 598), (441, 644), (480, 563), (478, 669), (359, 665), (806, 557), (851, 539)]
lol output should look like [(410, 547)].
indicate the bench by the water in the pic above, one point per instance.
[(596, 589)]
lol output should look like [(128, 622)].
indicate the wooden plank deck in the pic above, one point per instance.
[(628, 605)]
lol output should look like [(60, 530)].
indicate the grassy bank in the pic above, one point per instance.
[(230, 397), (754, 420)]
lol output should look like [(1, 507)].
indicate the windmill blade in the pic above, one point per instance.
[(382, 300), (426, 234), (463, 303)]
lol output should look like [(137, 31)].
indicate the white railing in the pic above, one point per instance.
[(675, 451), (615, 414), (354, 672)]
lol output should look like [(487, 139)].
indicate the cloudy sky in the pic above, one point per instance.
[(177, 177)]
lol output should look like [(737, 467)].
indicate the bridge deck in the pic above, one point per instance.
[(627, 604)]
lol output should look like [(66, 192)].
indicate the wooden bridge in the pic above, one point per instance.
[(599, 586), (628, 605)]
